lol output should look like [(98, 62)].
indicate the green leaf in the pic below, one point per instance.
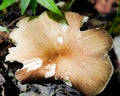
[(50, 5), (6, 3), (116, 20), (3, 29), (68, 4), (33, 4), (24, 4), (57, 18)]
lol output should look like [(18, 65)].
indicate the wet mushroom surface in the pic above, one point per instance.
[(53, 50)]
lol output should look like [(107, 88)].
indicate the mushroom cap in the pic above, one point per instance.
[(53, 50)]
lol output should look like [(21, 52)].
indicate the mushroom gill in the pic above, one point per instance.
[(52, 50)]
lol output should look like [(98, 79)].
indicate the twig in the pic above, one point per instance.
[(56, 91), (14, 21)]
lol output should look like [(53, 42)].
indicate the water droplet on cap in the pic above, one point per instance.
[(83, 63), (60, 39)]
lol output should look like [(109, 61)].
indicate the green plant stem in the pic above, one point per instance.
[(116, 20)]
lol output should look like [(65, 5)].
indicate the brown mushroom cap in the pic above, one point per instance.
[(49, 49)]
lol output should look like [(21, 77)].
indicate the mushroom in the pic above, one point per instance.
[(54, 50), (105, 6)]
